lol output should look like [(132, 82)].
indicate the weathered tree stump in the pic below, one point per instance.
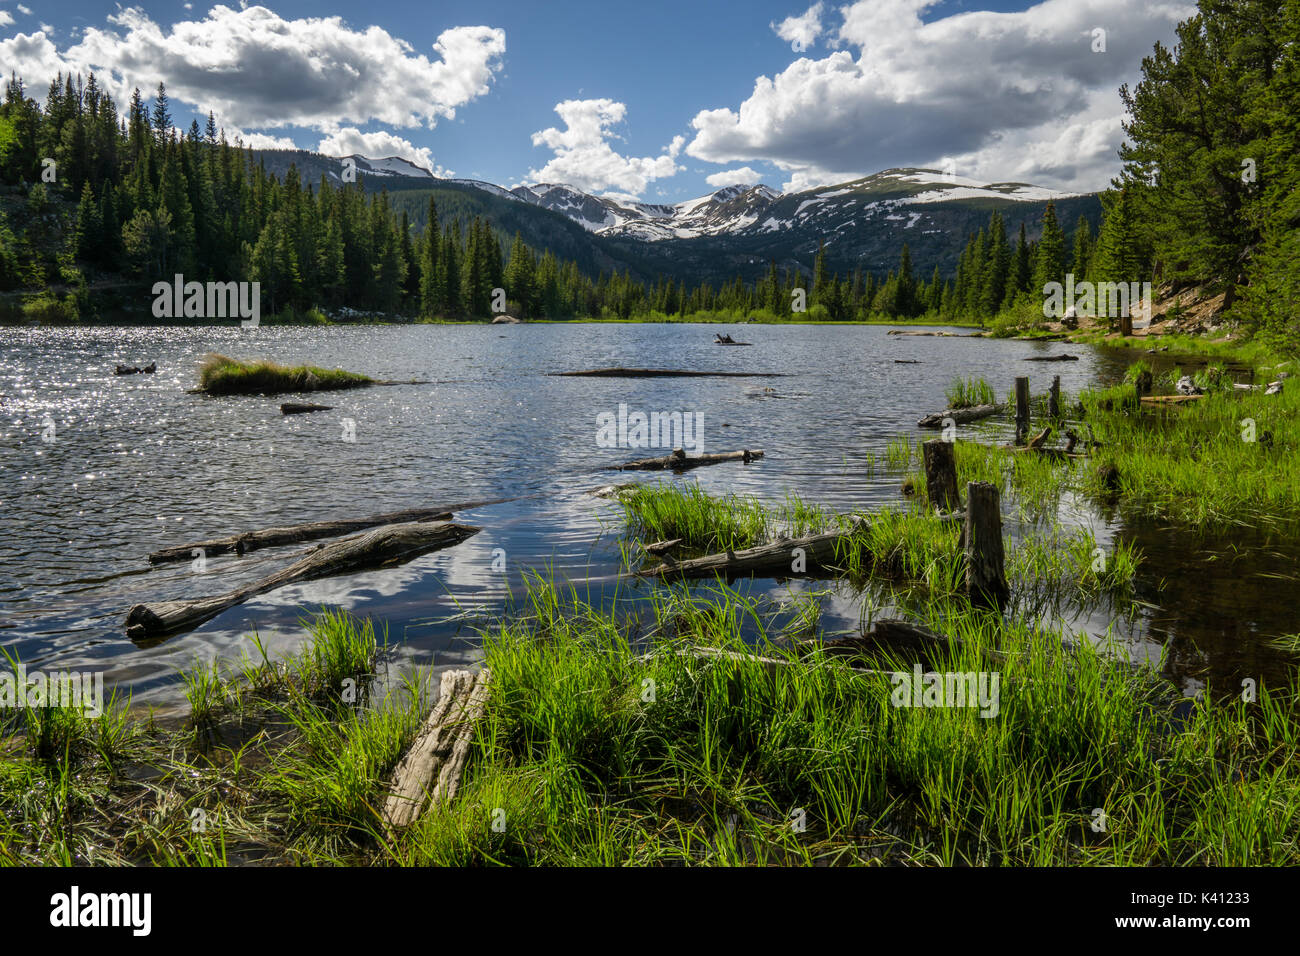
[(1022, 409), (941, 474), (986, 581)]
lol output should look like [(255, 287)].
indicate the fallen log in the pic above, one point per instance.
[(293, 534), (679, 461), (959, 415), (940, 335), (301, 408), (661, 547), (660, 373), (892, 637), (1052, 358), (817, 550), (391, 544), (430, 771)]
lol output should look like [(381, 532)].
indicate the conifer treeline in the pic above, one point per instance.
[(152, 203)]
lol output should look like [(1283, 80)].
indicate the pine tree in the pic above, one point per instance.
[(1050, 266)]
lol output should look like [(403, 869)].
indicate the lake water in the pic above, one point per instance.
[(137, 464)]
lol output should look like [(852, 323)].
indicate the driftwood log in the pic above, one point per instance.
[(430, 771), (959, 415), (660, 373), (661, 547), (293, 534), (301, 408), (940, 335), (897, 638), (391, 544), (679, 461), (779, 556)]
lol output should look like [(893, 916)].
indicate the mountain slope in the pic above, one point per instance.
[(734, 231)]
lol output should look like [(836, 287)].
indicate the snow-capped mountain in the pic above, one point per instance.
[(887, 197), (737, 230), (388, 166)]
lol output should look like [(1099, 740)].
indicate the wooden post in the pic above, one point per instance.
[(986, 582), (1022, 409), (1054, 399), (941, 474)]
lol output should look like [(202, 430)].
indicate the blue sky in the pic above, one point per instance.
[(661, 101)]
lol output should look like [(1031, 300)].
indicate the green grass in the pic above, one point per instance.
[(596, 750), (1195, 463), (221, 375), (598, 753), (969, 392), (684, 510)]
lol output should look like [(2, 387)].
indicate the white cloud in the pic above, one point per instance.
[(6, 18), (584, 158), (730, 177), (801, 32), (351, 141), (259, 140), (1006, 95), (256, 69)]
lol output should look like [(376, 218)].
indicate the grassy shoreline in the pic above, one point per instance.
[(717, 729)]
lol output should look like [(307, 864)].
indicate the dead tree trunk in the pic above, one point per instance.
[(390, 544), (679, 461), (941, 474), (986, 582), (430, 772), (293, 534), (784, 558), (1022, 409), (959, 416)]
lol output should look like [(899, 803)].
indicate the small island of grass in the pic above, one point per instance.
[(222, 375)]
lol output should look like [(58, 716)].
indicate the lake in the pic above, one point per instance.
[(136, 464)]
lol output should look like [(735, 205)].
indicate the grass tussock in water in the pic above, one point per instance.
[(684, 510), (222, 375), (969, 392), (1226, 458)]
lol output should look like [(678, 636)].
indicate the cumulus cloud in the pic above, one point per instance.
[(1007, 95), (259, 140), (585, 159), (745, 176), (801, 32), (350, 141), (254, 68)]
